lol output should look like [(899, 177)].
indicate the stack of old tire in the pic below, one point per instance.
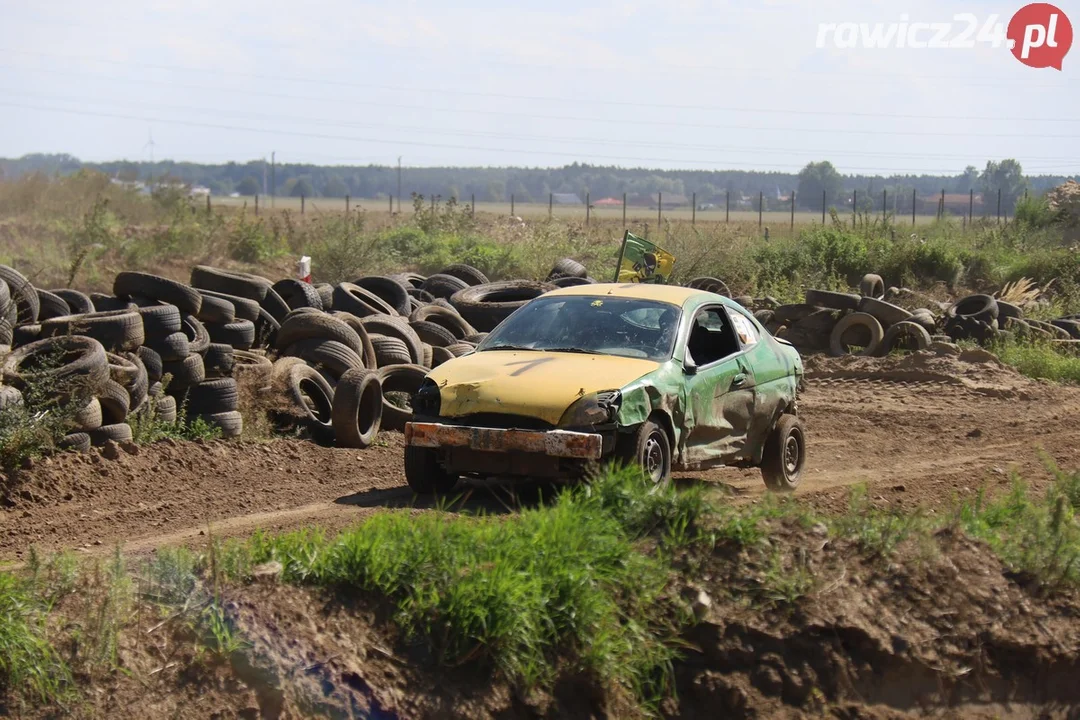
[(984, 318), (849, 323)]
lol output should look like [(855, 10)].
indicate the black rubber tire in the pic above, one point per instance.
[(197, 335), (565, 282), (421, 296), (108, 303), (275, 305), (791, 314), (335, 357), (243, 308), (485, 306), (449, 318), (411, 279), (975, 307), (387, 289), (906, 336), (117, 331), (764, 316), (298, 294), (310, 326), (440, 355), (22, 293), (218, 360), (160, 321), (244, 285), (301, 311), (75, 442), (872, 286), (395, 327), (1070, 326), (465, 273), (251, 368), (475, 338), (119, 433), (459, 349), (25, 334), (139, 387), (357, 301), (326, 296), (838, 346), (81, 365), (886, 313), (212, 396), (368, 351), (428, 353), (162, 289), (647, 447), (433, 334), (567, 267), (424, 473), (444, 286), (239, 334), (710, 284), (779, 469), (399, 378), (88, 417), (1008, 310), (122, 368), (230, 423), (80, 303), (185, 373), (266, 330), (151, 359), (833, 300), (358, 407), (297, 380), (171, 348), (389, 351), (50, 305), (216, 310), (1055, 331), (165, 409), (115, 403)]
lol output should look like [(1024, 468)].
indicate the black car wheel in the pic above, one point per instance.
[(785, 455), (649, 448)]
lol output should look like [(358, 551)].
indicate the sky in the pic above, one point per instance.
[(693, 84)]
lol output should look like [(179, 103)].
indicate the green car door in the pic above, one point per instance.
[(719, 392)]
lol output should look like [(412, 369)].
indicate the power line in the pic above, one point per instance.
[(571, 118), (323, 136)]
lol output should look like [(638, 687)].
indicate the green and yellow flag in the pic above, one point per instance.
[(640, 261)]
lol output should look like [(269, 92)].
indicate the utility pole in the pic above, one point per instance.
[(273, 177), (398, 187)]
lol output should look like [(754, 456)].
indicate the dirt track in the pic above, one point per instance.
[(919, 431)]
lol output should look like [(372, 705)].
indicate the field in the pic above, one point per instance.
[(928, 563)]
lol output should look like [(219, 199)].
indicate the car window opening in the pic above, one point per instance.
[(711, 338)]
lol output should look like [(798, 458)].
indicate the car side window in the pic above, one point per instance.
[(744, 329), (711, 337)]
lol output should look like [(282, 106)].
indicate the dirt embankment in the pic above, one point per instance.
[(918, 431)]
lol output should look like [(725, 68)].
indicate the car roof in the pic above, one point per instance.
[(672, 294)]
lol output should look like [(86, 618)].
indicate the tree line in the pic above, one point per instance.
[(492, 184)]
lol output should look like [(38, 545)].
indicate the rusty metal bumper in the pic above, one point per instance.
[(554, 443)]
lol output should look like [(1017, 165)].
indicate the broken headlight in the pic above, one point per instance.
[(595, 409), (427, 401)]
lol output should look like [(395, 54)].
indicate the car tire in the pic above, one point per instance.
[(242, 308), (832, 300), (396, 327), (51, 306), (872, 286), (312, 326), (358, 406), (359, 301), (886, 313), (485, 306), (444, 286), (906, 336), (400, 378), (239, 334), (80, 303), (567, 267), (245, 285), (649, 448), (389, 290), (710, 284), (298, 294), (465, 272), (23, 295), (839, 348), (785, 455), (424, 473), (157, 288)]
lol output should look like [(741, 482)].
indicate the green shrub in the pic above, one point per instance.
[(29, 666), (1035, 212)]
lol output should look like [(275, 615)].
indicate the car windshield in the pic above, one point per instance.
[(586, 324)]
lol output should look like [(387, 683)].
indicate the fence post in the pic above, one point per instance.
[(346, 204), (913, 196), (854, 207), (256, 206), (999, 205), (208, 212), (659, 208), (472, 204), (942, 203), (760, 207), (588, 208), (511, 204), (727, 208), (971, 204), (624, 210), (884, 203), (302, 203), (792, 212), (693, 212), (392, 204), (824, 202), (551, 204), (432, 202)]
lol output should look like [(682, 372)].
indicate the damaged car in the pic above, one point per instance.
[(664, 377)]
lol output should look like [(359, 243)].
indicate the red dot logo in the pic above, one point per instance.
[(1040, 35)]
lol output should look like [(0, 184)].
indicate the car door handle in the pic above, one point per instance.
[(738, 381)]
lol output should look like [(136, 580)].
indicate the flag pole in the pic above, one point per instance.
[(622, 251)]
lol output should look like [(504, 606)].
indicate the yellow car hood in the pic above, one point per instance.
[(534, 384)]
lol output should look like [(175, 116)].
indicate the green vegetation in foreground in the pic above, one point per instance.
[(1040, 360), (587, 583)]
